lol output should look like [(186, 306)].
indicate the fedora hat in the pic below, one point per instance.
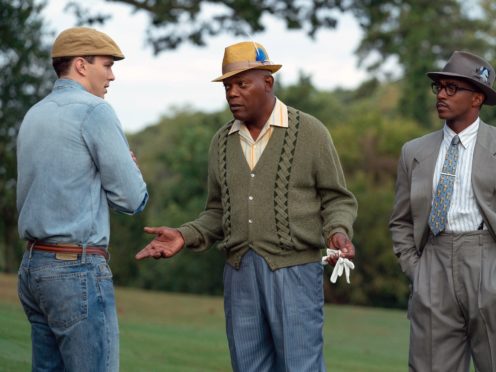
[(472, 68), (244, 56), (85, 41)]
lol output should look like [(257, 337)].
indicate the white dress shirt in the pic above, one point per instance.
[(464, 214)]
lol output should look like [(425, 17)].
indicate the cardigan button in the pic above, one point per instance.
[(252, 175), (250, 221), (250, 197)]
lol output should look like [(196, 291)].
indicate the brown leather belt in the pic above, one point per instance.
[(66, 248)]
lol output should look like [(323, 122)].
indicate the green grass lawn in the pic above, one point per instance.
[(171, 332)]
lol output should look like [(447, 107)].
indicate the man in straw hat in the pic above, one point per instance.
[(444, 222), (73, 163), (276, 196)]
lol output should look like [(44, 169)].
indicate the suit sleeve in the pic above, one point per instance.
[(401, 223)]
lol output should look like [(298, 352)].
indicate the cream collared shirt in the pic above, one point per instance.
[(253, 149)]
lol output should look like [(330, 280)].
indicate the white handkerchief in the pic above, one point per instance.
[(342, 264)]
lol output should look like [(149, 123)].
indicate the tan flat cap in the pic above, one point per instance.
[(85, 41)]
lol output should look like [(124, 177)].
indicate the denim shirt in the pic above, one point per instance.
[(74, 163)]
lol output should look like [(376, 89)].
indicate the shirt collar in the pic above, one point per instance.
[(278, 118), (466, 136), (67, 83)]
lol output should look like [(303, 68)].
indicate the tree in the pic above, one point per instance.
[(26, 77), (174, 164), (420, 34), (488, 32), (173, 22), (368, 133)]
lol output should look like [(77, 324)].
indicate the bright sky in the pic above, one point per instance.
[(149, 86)]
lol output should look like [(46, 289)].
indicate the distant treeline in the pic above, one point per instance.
[(368, 129), (368, 124)]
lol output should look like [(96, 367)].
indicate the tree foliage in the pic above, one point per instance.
[(26, 76), (418, 34), (421, 35), (173, 159), (368, 131), (368, 124), (173, 22)]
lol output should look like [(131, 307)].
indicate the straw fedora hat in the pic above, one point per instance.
[(472, 68), (244, 56)]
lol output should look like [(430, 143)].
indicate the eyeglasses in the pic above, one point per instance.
[(450, 89)]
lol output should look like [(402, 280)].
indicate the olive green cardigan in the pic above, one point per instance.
[(286, 208)]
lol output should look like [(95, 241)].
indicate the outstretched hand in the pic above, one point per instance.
[(167, 243)]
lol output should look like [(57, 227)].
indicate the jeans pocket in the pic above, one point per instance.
[(104, 271), (105, 284), (23, 291), (64, 297)]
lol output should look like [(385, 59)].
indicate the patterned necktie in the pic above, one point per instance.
[(444, 190)]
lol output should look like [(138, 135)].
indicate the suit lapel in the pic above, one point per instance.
[(425, 159)]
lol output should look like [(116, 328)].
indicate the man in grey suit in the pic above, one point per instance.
[(444, 222)]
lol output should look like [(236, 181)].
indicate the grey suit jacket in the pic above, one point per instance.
[(408, 222)]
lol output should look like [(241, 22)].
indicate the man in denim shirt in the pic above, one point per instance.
[(74, 163)]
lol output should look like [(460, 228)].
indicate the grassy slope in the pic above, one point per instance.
[(169, 332)]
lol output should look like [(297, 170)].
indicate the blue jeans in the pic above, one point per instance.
[(71, 307), (274, 319)]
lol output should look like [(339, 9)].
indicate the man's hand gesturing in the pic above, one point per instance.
[(167, 243)]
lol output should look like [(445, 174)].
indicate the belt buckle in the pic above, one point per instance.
[(66, 256)]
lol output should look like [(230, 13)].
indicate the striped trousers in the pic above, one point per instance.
[(274, 319)]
